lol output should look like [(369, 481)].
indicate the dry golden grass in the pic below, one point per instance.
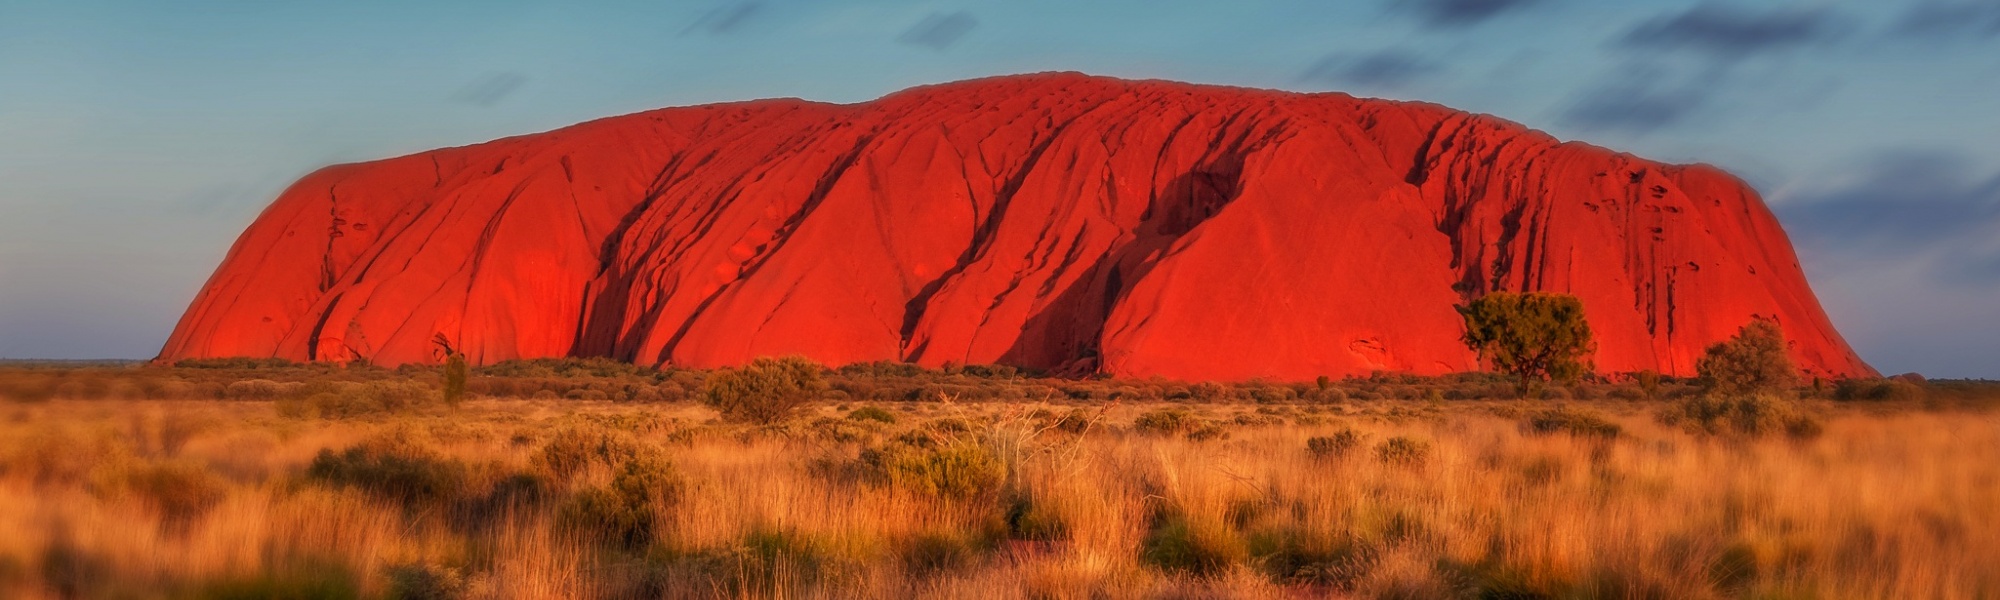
[(198, 499)]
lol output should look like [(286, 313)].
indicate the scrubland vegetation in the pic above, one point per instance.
[(595, 479)]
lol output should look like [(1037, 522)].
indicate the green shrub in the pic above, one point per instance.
[(339, 400), (872, 413), (179, 490), (1165, 422), (948, 468), (622, 514), (1403, 451), (765, 391), (394, 467), (936, 551), (1880, 390), (568, 368), (1334, 446), (840, 430), (313, 581), (769, 559), (1753, 362), (1208, 431), (573, 450), (1202, 548), (425, 582), (948, 426), (1309, 555), (1075, 421), (1029, 520), (1576, 422), (1741, 416)]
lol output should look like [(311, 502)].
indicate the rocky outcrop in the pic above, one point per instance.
[(1054, 221)]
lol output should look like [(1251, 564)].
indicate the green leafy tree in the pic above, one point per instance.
[(765, 391), (1755, 361), (1534, 336)]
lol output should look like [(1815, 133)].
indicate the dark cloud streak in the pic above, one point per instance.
[(1933, 19), (1904, 205), (1447, 14), (1384, 69), (1642, 98), (490, 90), (1734, 33)]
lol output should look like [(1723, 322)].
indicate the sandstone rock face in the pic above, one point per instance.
[(1059, 221)]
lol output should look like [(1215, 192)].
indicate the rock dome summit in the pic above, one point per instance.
[(1062, 222)]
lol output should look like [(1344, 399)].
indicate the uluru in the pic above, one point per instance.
[(1059, 222)]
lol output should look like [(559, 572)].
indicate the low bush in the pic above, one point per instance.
[(1165, 422), (179, 490), (342, 399), (312, 581), (567, 368), (1200, 548), (1208, 431), (572, 451), (1306, 555), (396, 467), (622, 514), (1576, 422), (1877, 390), (943, 467), (936, 551), (1030, 520), (765, 391), (769, 559), (1403, 451), (872, 413), (417, 581), (1334, 446), (1741, 416)]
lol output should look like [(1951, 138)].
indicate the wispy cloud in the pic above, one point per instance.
[(1950, 18), (1385, 69), (1928, 205), (724, 19), (1641, 98), (1458, 13), (489, 90), (939, 31), (1734, 33)]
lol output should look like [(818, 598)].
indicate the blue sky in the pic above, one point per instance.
[(137, 139)]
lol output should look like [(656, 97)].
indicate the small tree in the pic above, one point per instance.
[(1649, 383), (455, 371), (765, 391), (1755, 361), (1534, 336)]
